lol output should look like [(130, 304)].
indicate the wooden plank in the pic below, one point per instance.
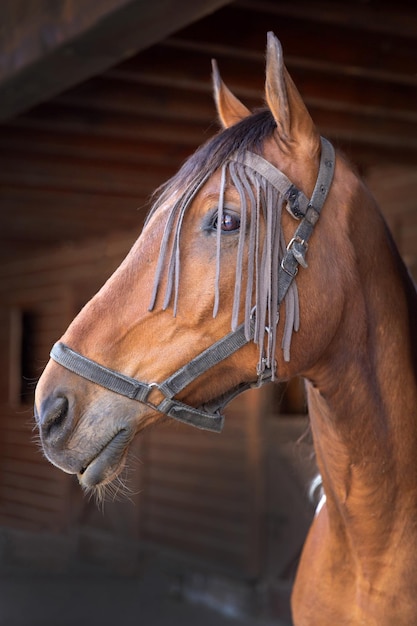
[(66, 173), (35, 485), (105, 251), (33, 516), (62, 143), (26, 497), (112, 124), (21, 438), (39, 468), (25, 454)]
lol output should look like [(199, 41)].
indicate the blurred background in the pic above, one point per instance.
[(100, 102)]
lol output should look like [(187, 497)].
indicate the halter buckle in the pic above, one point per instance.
[(291, 271), (299, 240)]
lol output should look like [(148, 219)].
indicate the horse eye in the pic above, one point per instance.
[(230, 222)]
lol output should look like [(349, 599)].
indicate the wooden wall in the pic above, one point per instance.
[(32, 493)]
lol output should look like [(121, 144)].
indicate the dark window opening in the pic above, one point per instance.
[(24, 364), (28, 371)]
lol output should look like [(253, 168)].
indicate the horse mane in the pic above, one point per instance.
[(258, 197), (248, 134)]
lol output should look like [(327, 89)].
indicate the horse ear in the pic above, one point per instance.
[(230, 110), (294, 123)]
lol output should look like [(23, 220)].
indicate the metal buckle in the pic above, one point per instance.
[(298, 239), (297, 254), (287, 270)]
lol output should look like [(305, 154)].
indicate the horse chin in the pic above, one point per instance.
[(106, 465)]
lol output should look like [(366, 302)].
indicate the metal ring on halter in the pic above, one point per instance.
[(152, 386)]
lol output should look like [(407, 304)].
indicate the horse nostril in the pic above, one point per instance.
[(53, 419)]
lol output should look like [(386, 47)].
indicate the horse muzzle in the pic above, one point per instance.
[(90, 441)]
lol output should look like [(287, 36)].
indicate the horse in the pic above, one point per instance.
[(265, 257)]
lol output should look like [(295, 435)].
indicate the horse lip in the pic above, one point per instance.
[(107, 462)]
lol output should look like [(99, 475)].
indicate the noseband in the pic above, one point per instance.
[(209, 416)]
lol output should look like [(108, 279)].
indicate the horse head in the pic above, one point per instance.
[(217, 258)]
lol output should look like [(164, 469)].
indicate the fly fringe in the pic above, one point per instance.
[(258, 258)]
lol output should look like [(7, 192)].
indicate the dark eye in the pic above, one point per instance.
[(230, 222)]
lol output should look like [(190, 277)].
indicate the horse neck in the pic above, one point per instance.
[(362, 397)]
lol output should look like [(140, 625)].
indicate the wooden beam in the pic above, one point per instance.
[(56, 45), (27, 140), (113, 124), (377, 17)]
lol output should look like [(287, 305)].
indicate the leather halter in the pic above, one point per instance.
[(208, 416)]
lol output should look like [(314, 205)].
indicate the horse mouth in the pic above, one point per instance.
[(107, 463)]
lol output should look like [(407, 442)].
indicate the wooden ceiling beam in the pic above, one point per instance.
[(48, 47), (366, 16)]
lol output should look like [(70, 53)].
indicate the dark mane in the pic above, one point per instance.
[(248, 134)]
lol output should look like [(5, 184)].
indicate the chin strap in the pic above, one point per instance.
[(209, 417)]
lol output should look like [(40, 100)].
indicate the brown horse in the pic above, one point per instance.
[(190, 318)]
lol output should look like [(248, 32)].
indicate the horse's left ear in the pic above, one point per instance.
[(229, 108), (294, 123)]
